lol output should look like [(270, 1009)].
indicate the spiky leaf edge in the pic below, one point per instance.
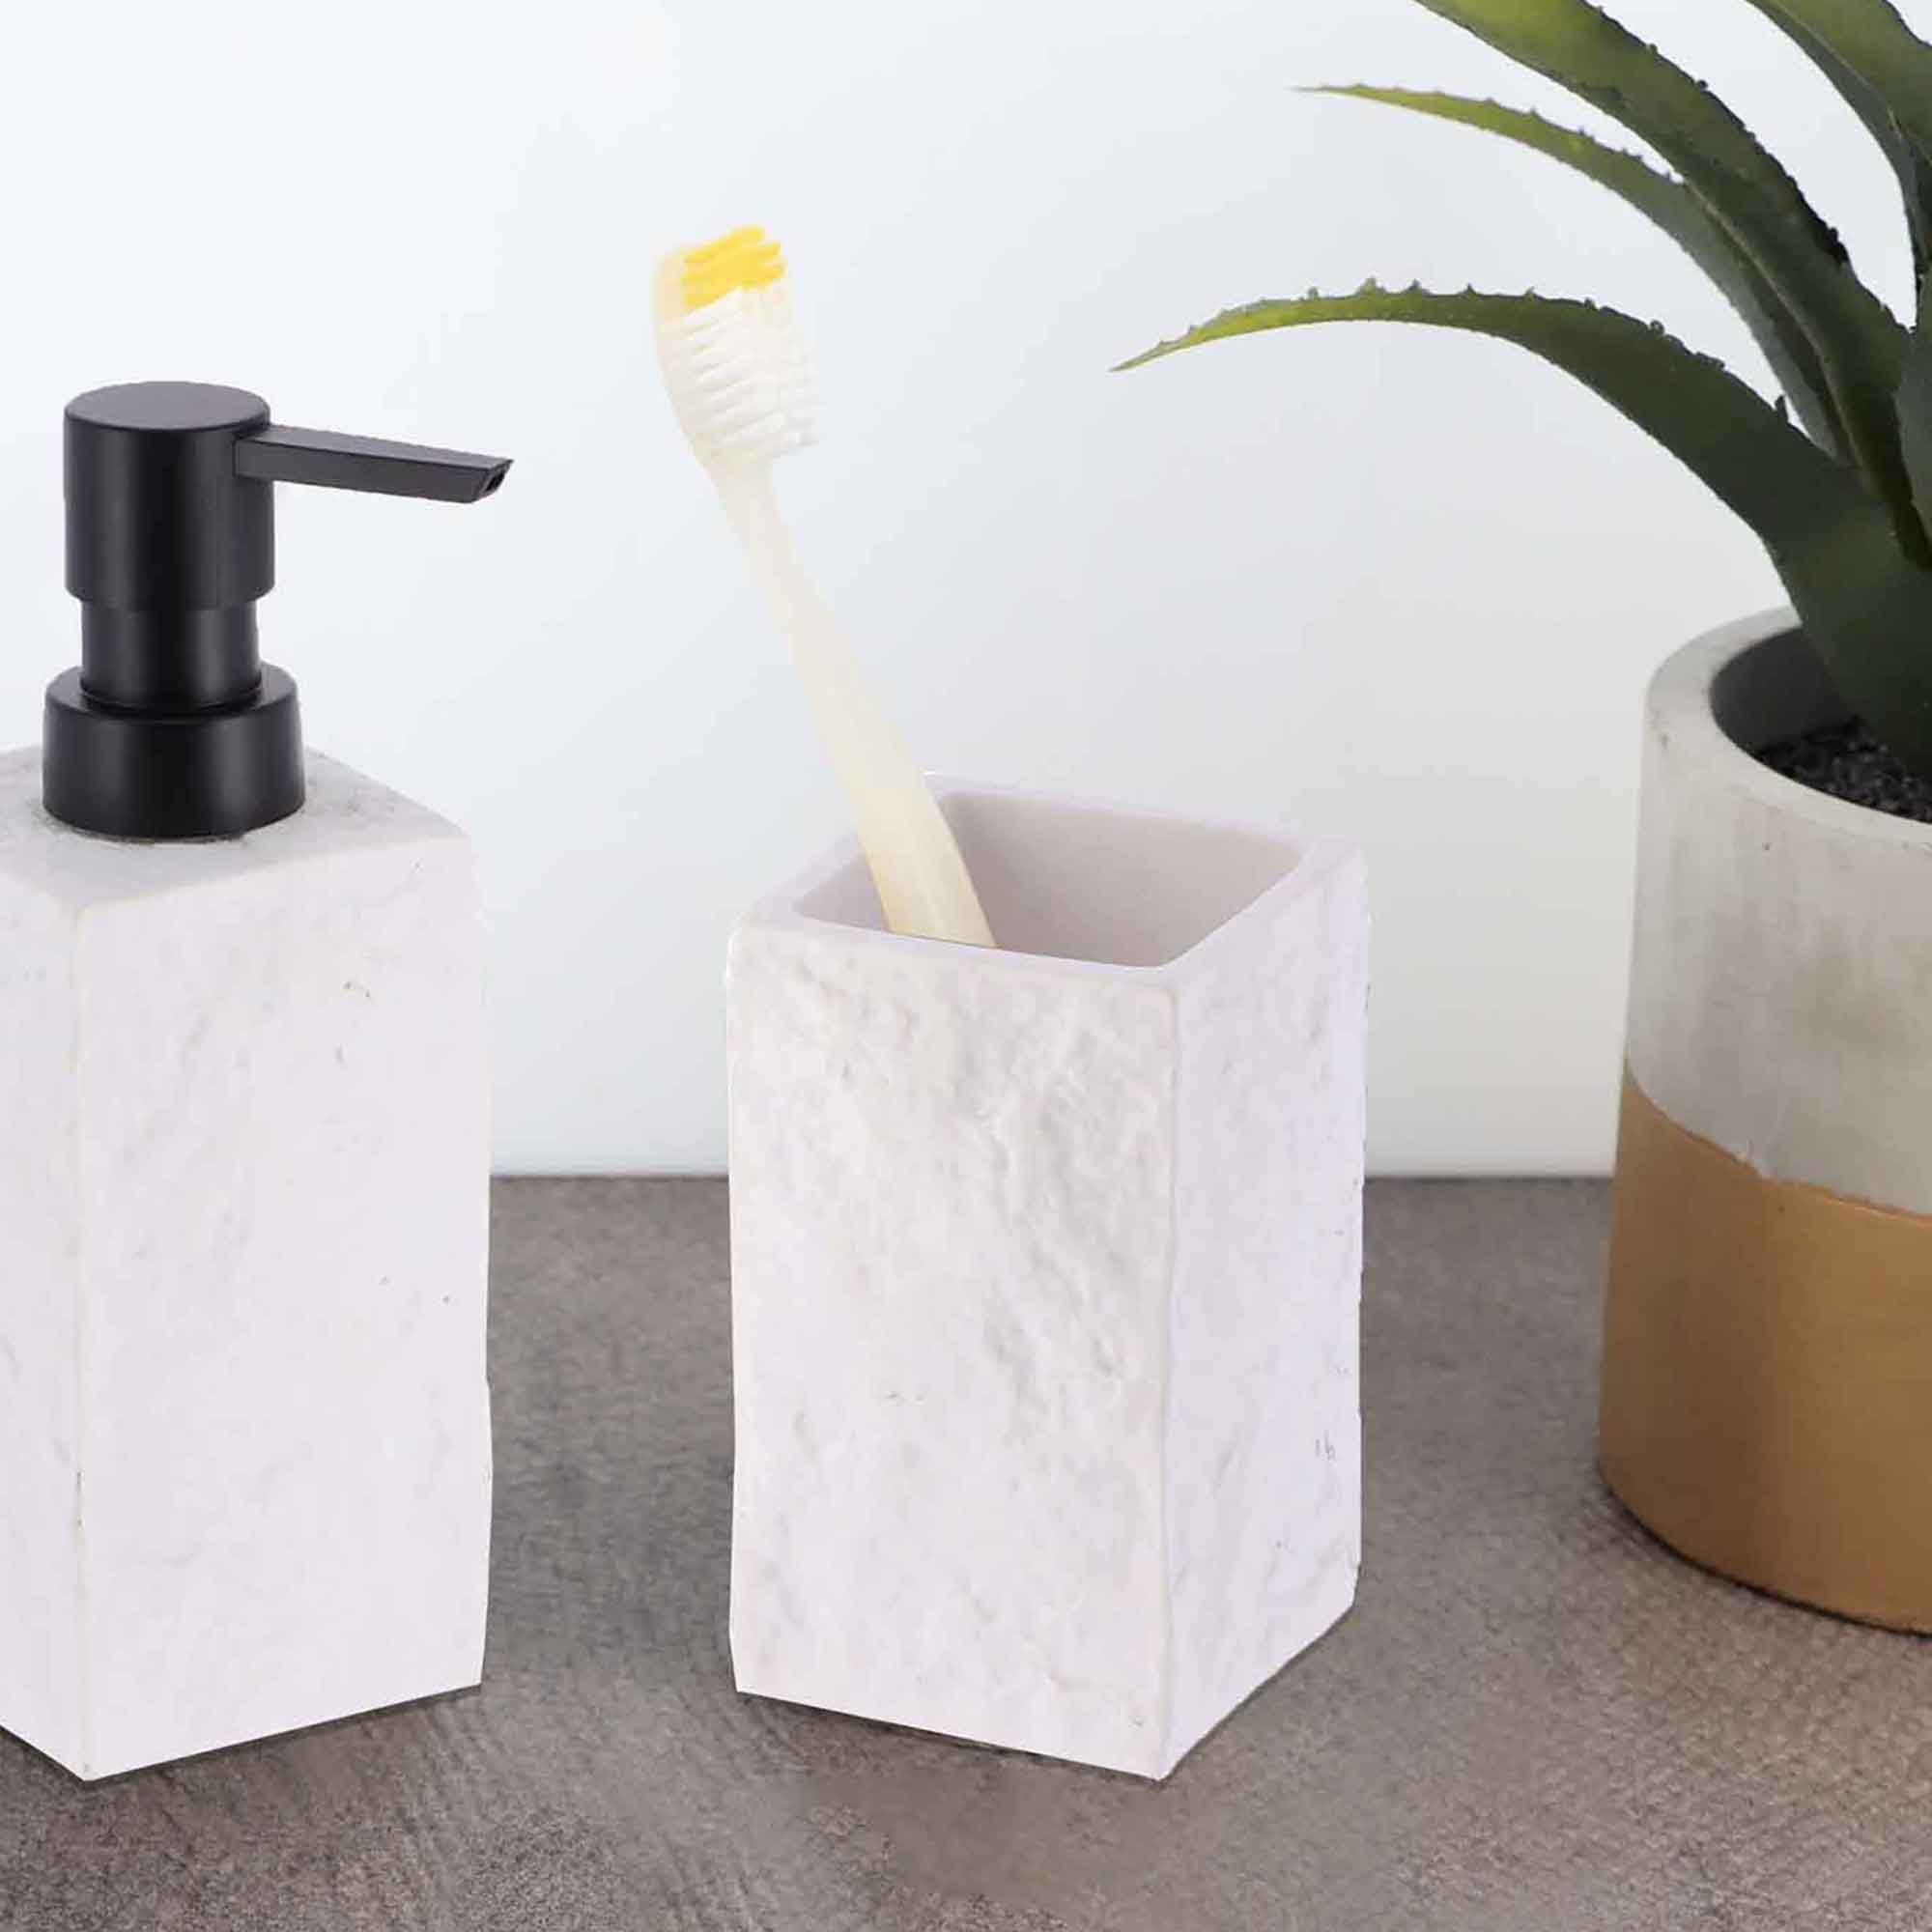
[(1669, 203), (1867, 608), (1883, 72), (1858, 343)]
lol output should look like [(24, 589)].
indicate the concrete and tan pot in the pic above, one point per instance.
[(1767, 1396)]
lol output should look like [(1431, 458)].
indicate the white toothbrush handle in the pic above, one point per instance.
[(923, 882)]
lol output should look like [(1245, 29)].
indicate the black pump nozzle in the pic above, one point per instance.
[(173, 727), (280, 455)]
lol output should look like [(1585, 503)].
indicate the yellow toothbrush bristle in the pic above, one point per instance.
[(747, 258)]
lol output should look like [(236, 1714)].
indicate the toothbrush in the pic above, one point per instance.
[(742, 385)]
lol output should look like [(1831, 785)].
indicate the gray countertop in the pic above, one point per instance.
[(1533, 1718)]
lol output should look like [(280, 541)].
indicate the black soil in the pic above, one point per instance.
[(1847, 761)]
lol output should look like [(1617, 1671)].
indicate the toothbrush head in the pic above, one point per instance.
[(740, 379)]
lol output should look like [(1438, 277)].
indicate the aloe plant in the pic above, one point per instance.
[(1837, 478)]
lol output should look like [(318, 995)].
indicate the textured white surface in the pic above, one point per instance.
[(1045, 1277), (244, 1452), (1781, 976), (1264, 1442)]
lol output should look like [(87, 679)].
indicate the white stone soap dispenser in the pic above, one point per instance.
[(245, 1427)]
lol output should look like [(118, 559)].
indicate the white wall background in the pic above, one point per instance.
[(1402, 583)]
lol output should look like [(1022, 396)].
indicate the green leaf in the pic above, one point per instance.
[(1914, 407), (1857, 341), (1884, 73), (1675, 209), (1866, 44), (1867, 608)]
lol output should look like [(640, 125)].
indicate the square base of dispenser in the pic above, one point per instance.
[(245, 1428)]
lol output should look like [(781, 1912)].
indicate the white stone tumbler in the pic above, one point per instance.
[(244, 1431), (1045, 1282)]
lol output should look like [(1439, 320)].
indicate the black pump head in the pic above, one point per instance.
[(173, 727)]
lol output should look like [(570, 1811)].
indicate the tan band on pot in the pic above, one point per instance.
[(1767, 1394)]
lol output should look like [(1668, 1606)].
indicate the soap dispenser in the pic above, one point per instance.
[(245, 1427)]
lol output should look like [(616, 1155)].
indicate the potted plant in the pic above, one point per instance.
[(1766, 1381)]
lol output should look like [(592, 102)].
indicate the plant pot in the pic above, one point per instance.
[(1045, 1278), (1767, 1392)]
